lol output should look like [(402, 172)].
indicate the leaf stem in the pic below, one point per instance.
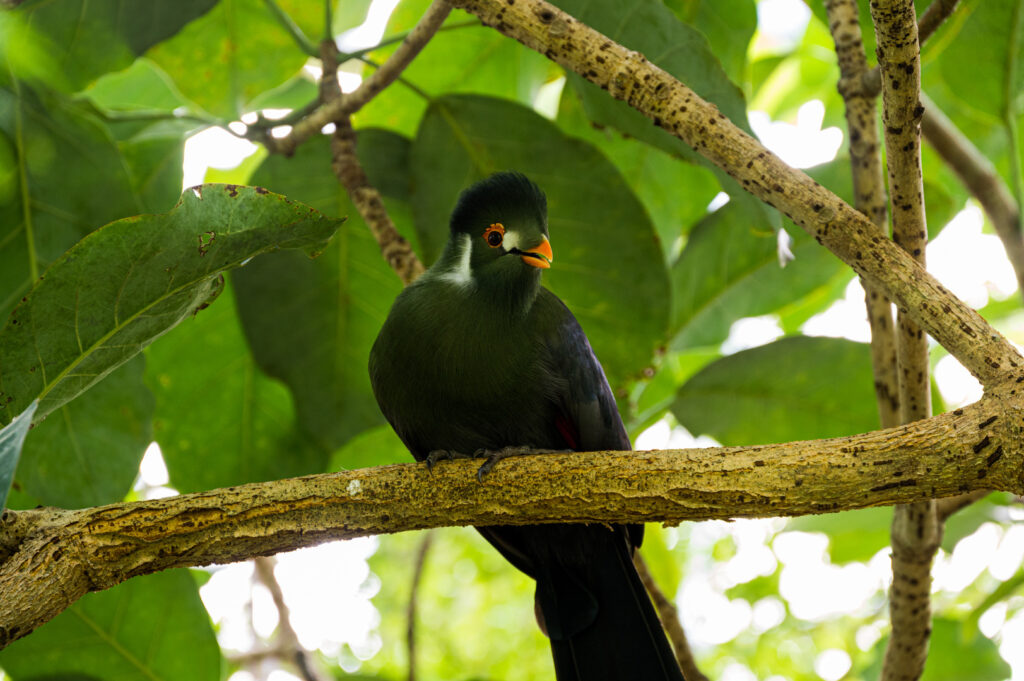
[(293, 29), (328, 20), (358, 54)]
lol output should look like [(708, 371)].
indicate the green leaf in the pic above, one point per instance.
[(606, 252), (141, 86), (372, 447), (203, 367), (145, 275), (729, 270), (12, 438), (87, 452), (797, 388), (474, 59), (154, 156), (652, 29), (151, 628), (654, 176), (91, 37), (62, 177), (727, 24), (993, 35), (227, 57), (309, 323)]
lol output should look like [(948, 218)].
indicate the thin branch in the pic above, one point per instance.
[(628, 76), (981, 180), (916, 529), (338, 108), (933, 17), (66, 554), (287, 645), (291, 27), (417, 574), (404, 81), (949, 505), (346, 165), (869, 196), (938, 11), (669, 616)]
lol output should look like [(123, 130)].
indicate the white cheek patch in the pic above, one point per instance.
[(510, 241), (461, 274)]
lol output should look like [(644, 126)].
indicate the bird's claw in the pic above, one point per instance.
[(493, 456), (443, 455)]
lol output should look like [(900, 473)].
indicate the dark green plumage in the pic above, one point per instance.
[(476, 354)]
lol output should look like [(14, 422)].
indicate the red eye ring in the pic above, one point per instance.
[(494, 234)]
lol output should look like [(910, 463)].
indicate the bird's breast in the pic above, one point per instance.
[(463, 383)]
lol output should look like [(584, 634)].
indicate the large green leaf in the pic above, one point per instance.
[(224, 59), (143, 85), (125, 284), (312, 323), (88, 38), (61, 176), (987, 109), (251, 432), (676, 195), (151, 628), (727, 24), (87, 452), (12, 438), (608, 267), (729, 270), (797, 388), (474, 59), (154, 156), (681, 50)]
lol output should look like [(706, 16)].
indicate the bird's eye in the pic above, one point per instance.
[(494, 234)]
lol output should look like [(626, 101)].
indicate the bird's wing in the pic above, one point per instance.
[(582, 390)]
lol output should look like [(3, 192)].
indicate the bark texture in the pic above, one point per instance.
[(869, 195), (61, 554)]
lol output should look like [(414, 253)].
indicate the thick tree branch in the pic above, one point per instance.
[(65, 554), (981, 180), (628, 76), (869, 196), (670, 622), (916, 529), (338, 108)]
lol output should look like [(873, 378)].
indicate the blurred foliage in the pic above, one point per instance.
[(95, 106)]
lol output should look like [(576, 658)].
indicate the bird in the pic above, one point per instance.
[(477, 359)]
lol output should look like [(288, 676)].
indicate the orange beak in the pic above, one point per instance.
[(540, 256)]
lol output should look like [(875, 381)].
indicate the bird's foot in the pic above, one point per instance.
[(443, 455), (493, 456)]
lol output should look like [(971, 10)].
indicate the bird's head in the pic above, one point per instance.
[(499, 231)]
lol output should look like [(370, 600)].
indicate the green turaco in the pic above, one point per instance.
[(477, 358)]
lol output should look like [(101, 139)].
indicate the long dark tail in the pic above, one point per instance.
[(595, 610)]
